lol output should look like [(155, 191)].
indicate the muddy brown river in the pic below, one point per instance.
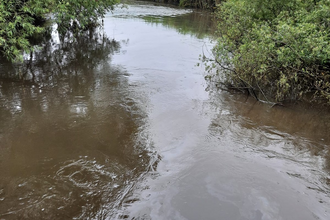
[(121, 124)]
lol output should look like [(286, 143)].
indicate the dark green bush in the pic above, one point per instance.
[(21, 20)]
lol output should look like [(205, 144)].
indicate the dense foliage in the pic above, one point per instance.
[(21, 20), (204, 4), (275, 49)]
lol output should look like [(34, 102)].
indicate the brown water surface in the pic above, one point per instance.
[(122, 125)]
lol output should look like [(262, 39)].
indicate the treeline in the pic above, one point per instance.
[(21, 21), (276, 50), (202, 4)]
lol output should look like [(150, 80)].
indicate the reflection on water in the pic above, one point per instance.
[(197, 23), (304, 126), (296, 134), (71, 132), (202, 22)]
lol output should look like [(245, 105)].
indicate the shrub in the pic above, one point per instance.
[(21, 20), (275, 49)]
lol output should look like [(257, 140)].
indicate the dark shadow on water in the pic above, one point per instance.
[(72, 132), (296, 134)]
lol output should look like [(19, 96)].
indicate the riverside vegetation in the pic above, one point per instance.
[(276, 50), (22, 21)]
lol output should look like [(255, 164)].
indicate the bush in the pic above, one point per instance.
[(18, 23), (21, 20), (275, 49), (203, 4)]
